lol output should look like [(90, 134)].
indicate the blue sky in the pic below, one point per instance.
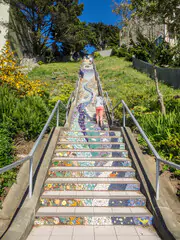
[(98, 11)]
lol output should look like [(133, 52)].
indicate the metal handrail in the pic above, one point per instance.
[(36, 144), (116, 105), (69, 104), (13, 165), (156, 154), (111, 107), (101, 91)]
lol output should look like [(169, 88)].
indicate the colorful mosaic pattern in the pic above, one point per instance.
[(92, 139), (89, 154), (83, 163), (90, 202), (90, 220), (92, 133), (91, 174), (91, 187), (91, 146)]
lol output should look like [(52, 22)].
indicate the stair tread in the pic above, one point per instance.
[(66, 136), (89, 150), (93, 194), (106, 169), (92, 180), (90, 159), (89, 130), (95, 211), (91, 143)]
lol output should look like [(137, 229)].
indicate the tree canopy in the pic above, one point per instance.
[(103, 36), (46, 21), (167, 12)]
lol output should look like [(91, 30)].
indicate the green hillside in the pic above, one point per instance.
[(121, 81)]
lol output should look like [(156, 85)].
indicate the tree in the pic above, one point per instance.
[(124, 9), (76, 38), (42, 19), (103, 36), (144, 9), (167, 12)]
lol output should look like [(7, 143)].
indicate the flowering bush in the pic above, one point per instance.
[(11, 75)]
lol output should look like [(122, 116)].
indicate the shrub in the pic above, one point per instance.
[(140, 53), (11, 75), (6, 147), (40, 63), (30, 115), (119, 52), (6, 157), (27, 115), (163, 131), (8, 102), (128, 57), (97, 55)]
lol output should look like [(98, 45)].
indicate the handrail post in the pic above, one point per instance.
[(112, 117), (57, 117), (157, 178), (124, 116), (30, 176)]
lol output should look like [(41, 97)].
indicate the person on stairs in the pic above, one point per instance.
[(81, 75), (99, 109)]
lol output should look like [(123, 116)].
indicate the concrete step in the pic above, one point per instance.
[(90, 162), (95, 211), (90, 150), (93, 216), (108, 172), (91, 180), (91, 184), (86, 145), (94, 194)]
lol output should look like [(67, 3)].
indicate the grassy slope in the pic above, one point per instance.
[(59, 77), (121, 81), (64, 70)]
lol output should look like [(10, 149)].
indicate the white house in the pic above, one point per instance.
[(4, 17)]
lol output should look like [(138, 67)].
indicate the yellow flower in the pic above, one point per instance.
[(63, 202)]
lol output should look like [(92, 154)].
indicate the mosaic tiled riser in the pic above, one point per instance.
[(91, 146), (91, 174), (89, 139), (122, 154), (125, 163), (74, 220), (91, 187), (137, 202), (92, 133)]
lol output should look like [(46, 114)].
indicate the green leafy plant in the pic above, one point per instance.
[(6, 157)]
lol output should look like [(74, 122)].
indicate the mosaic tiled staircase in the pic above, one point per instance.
[(91, 180)]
